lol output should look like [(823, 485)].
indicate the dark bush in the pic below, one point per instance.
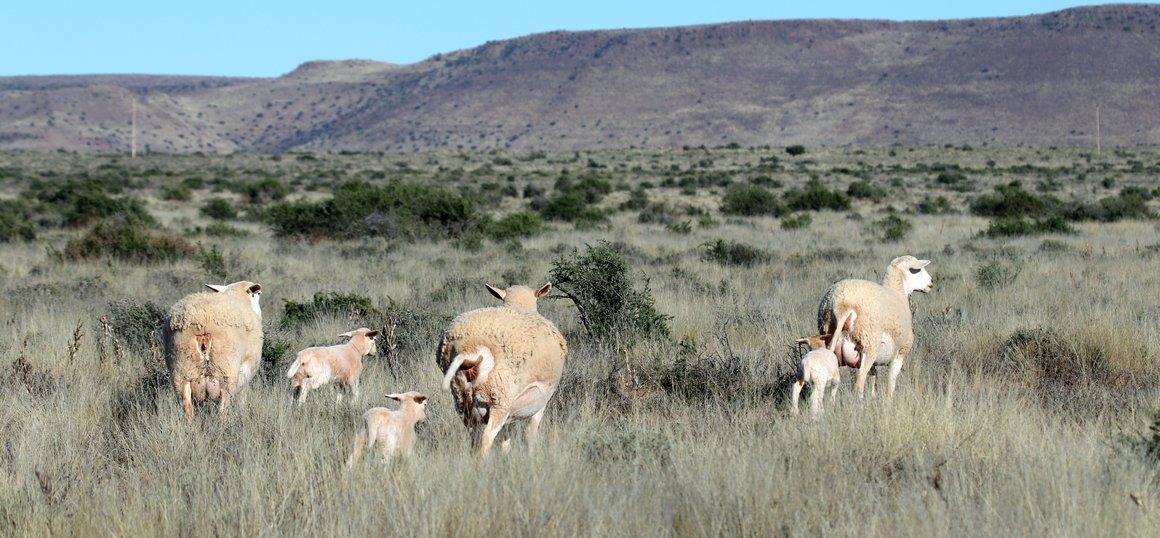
[(219, 209), (264, 191), (515, 225), (816, 197), (126, 240), (727, 252), (176, 193), (996, 274), (609, 302), (795, 150), (796, 222), (1010, 200), (354, 307), (15, 222), (1013, 227), (934, 206), (892, 228), (569, 207), (751, 200), (136, 324), (397, 210), (212, 261), (864, 190), (637, 199), (75, 203)]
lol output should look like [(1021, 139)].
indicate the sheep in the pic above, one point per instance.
[(879, 320), (819, 367), (341, 364), (502, 364), (392, 431), (213, 343)]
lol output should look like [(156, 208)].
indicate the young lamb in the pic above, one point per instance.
[(819, 367), (213, 343), (502, 364), (392, 431), (341, 364), (879, 327)]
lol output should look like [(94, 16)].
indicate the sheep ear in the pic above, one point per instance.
[(396, 397), (347, 334), (922, 263), (544, 290), (255, 289), (802, 340), (372, 334), (420, 399), (498, 293), (216, 287)]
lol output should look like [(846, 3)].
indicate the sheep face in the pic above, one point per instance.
[(368, 335), (520, 297), (815, 342), (914, 275), (413, 403), (245, 289)]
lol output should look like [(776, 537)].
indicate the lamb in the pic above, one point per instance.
[(502, 364), (341, 364), (213, 343), (879, 326), (392, 431), (819, 367)]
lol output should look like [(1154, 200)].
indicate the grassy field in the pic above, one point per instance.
[(1023, 409)]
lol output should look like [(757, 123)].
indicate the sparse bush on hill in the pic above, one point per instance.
[(816, 197), (397, 210), (15, 222), (727, 252), (796, 222), (892, 228), (608, 299), (795, 150), (1017, 226), (750, 201), (515, 225), (348, 306), (219, 208), (939, 205), (130, 241), (1011, 201), (176, 193), (865, 190), (77, 204)]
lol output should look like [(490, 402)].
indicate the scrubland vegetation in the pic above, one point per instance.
[(1028, 406)]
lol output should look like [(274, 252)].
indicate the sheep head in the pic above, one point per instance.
[(815, 342), (413, 403), (520, 297), (908, 275), (243, 289), (366, 339)]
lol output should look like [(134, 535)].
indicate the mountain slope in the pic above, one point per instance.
[(1033, 80)]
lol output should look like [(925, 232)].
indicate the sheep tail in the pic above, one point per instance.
[(461, 361), (848, 317)]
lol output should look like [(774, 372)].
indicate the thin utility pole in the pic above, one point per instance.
[(1097, 130), (133, 131)]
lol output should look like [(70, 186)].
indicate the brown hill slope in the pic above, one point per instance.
[(1033, 79)]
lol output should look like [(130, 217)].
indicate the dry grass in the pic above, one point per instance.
[(980, 440)]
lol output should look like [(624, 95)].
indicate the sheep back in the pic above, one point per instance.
[(230, 328), (879, 310)]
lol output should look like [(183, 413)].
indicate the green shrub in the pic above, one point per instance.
[(1011, 201), (136, 324), (221, 229), (212, 261), (795, 150), (934, 206), (356, 308), (816, 197), (864, 190), (637, 199), (608, 300), (15, 222), (751, 200), (683, 227), (1017, 226), (996, 274), (176, 193), (126, 240), (892, 228), (796, 222), (515, 225), (569, 207), (656, 213), (397, 210), (74, 203), (727, 252), (264, 191), (219, 209)]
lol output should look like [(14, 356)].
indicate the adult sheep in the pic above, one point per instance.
[(502, 364), (876, 318), (213, 343)]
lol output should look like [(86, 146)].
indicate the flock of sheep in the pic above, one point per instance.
[(504, 363)]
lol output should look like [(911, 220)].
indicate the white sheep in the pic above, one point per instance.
[(879, 327), (502, 364), (819, 368), (213, 343), (341, 364), (392, 431)]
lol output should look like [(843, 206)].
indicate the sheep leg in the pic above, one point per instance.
[(834, 382), (873, 382), (794, 395), (354, 391), (495, 421), (356, 453), (303, 389), (187, 400), (892, 379), (817, 393), (864, 366), (532, 433)]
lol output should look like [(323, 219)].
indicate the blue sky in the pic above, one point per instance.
[(267, 38)]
